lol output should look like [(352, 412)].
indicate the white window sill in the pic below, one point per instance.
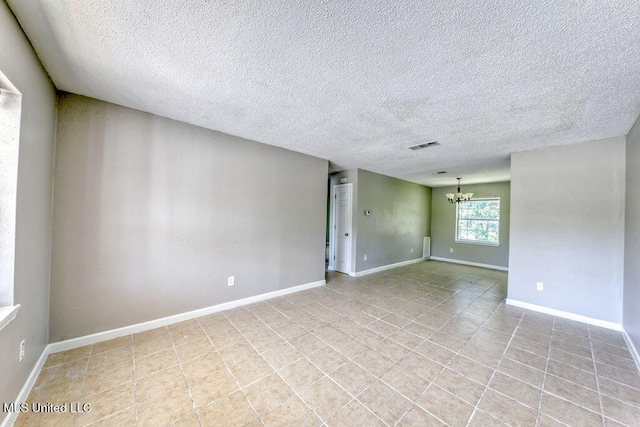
[(7, 314), (475, 242)]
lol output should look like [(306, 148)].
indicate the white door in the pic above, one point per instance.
[(342, 227)]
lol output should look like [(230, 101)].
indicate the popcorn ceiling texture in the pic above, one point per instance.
[(358, 82)]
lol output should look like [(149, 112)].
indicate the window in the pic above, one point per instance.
[(478, 221), (10, 110)]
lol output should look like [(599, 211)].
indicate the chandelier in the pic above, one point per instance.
[(459, 197)]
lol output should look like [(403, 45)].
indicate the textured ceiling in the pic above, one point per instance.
[(358, 82)]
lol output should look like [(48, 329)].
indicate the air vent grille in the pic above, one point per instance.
[(423, 145)]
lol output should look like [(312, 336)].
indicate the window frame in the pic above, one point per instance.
[(478, 242)]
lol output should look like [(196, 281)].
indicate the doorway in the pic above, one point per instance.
[(341, 236)]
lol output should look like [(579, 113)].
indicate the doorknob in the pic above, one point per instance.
[(346, 234)]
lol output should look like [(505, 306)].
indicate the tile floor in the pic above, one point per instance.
[(426, 344)]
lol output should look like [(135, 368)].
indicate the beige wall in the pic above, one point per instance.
[(151, 216), (443, 225), (567, 228), (20, 65)]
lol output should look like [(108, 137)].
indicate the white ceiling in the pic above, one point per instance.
[(357, 82)]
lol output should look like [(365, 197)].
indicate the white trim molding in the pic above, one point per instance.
[(387, 267), (7, 314), (632, 348), (157, 323), (566, 315), (26, 388), (473, 264)]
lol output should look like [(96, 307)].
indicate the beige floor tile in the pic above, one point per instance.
[(422, 366), (327, 359), (619, 391), (445, 406), (472, 370), (223, 338), (301, 374), (435, 352), (391, 350), (620, 375), (107, 403), (481, 419), (460, 386), (386, 403), (281, 355), (416, 416), (325, 397), (522, 372), (45, 419), (250, 370), (155, 362), (620, 411), (506, 410), (355, 415), (159, 383), (381, 339), (68, 356), (190, 420), (572, 392), (165, 408), (352, 378), (569, 373), (108, 377), (267, 393), (194, 349), (405, 382), (266, 341), (213, 387), (567, 412), (516, 390), (231, 410), (61, 372), (67, 391), (237, 353), (122, 418), (149, 345), (307, 343), (202, 366), (293, 412), (116, 343), (582, 363)]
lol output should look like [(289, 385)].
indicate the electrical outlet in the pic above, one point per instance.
[(22, 350), (231, 281), (365, 257), (540, 286), (411, 250), (451, 250)]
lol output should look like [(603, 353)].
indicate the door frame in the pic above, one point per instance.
[(332, 234)]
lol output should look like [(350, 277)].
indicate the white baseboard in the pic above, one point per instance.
[(26, 388), (387, 267), (632, 348), (473, 264), (152, 324), (566, 315)]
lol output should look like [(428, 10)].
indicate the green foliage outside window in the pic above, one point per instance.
[(479, 221)]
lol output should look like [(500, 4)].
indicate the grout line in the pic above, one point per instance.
[(595, 370)]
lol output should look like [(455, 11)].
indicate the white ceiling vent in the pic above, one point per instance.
[(423, 145)]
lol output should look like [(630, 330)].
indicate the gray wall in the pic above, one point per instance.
[(399, 220), (443, 225), (20, 65), (151, 216), (567, 228), (632, 238)]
